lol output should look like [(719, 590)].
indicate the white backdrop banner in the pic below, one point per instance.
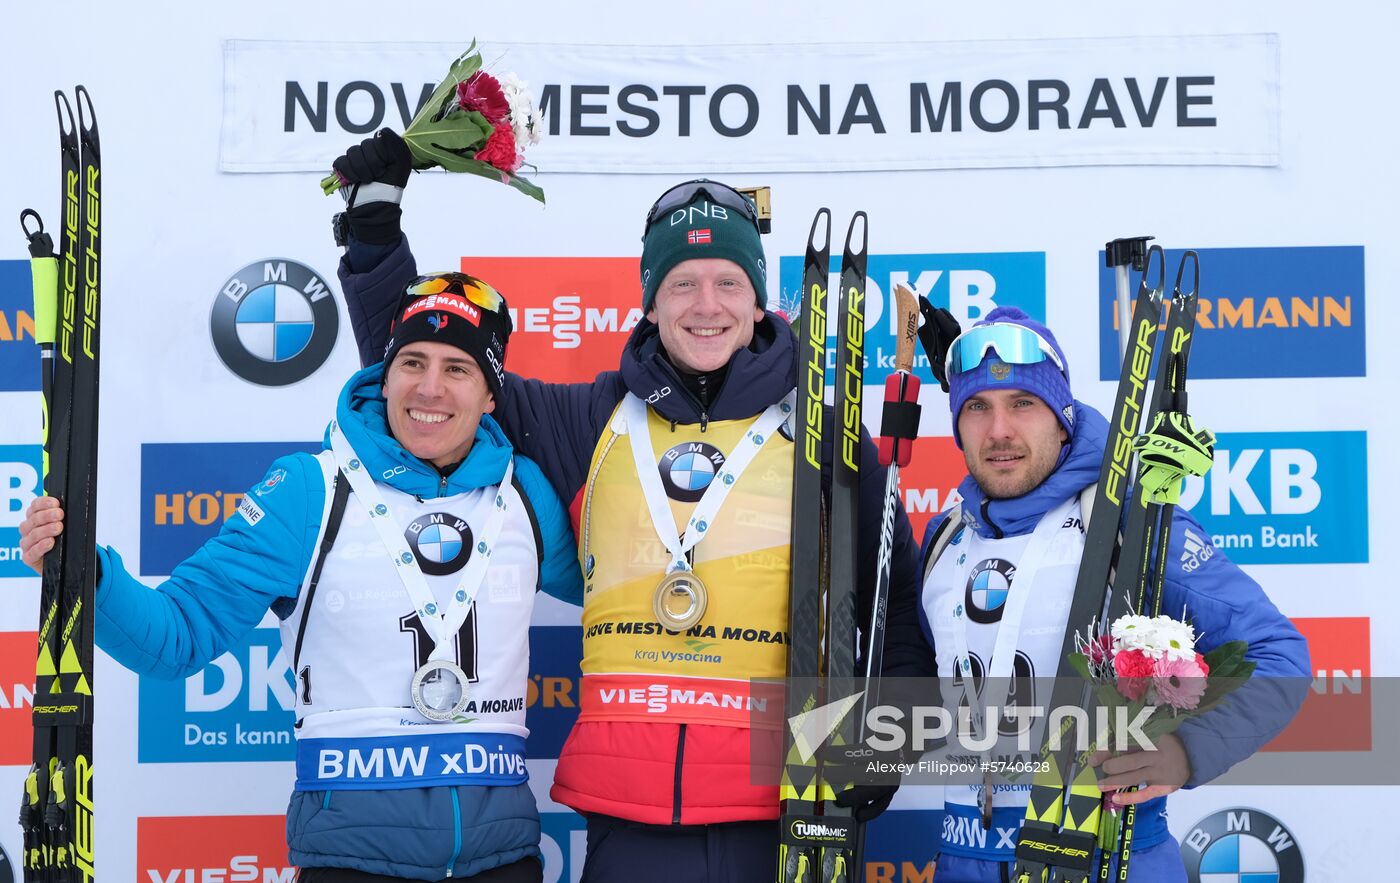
[(1179, 100)]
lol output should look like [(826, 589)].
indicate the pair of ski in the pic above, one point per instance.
[(1064, 816), (56, 811), (818, 840)]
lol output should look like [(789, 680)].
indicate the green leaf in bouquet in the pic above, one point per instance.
[(1080, 663), (467, 63), (486, 170), (442, 142), (1226, 655)]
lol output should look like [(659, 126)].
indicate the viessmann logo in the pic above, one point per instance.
[(968, 285), (930, 482), (571, 316), (1336, 713), (17, 651), (1259, 306), (202, 849)]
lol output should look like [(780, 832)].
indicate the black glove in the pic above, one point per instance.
[(376, 171), (867, 801), (937, 333)]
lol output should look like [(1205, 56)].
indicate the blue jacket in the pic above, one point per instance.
[(558, 425), (217, 595), (1222, 602)]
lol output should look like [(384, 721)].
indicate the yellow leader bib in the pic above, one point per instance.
[(633, 668)]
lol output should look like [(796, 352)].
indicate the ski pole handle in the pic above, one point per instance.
[(899, 421)]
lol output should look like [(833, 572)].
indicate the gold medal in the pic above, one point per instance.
[(439, 690), (680, 600)]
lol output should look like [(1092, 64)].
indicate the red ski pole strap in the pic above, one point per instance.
[(899, 420)]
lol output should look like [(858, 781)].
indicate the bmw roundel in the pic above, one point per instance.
[(274, 322), (441, 542), (1241, 845), (688, 468), (987, 588)]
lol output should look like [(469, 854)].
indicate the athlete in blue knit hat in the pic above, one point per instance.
[(1007, 558)]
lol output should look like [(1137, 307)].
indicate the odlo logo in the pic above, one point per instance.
[(1241, 845)]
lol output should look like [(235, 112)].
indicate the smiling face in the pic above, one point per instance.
[(1011, 441), (436, 395), (705, 310)]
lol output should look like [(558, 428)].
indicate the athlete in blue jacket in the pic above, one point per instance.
[(403, 562), (1032, 449)]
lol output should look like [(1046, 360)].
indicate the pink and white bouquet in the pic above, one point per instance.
[(473, 122), (1152, 661)]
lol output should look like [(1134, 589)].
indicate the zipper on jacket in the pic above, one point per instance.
[(456, 828), (680, 764), (987, 518)]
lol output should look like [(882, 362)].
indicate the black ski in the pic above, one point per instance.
[(839, 853), (60, 782), (1137, 585), (1063, 811), (798, 788)]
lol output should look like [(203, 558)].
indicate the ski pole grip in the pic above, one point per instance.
[(44, 272), (899, 420)]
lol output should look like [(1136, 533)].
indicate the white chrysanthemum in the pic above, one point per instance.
[(1134, 632), (524, 119), (1176, 639)]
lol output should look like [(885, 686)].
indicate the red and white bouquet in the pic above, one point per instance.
[(473, 122)]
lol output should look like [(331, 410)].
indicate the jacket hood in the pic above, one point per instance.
[(1019, 515), (362, 414), (759, 374)]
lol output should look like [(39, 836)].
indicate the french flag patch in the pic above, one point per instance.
[(698, 237)]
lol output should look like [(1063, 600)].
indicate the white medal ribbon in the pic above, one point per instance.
[(442, 625), (1002, 665), (634, 414)]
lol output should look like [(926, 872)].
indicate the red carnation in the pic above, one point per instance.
[(1134, 670), (1201, 661), (482, 93), (499, 150)]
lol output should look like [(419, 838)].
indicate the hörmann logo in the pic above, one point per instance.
[(969, 285), (188, 491), (1283, 498), (1267, 300)]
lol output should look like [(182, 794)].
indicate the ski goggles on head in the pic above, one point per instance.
[(684, 194), (461, 284), (1014, 344)]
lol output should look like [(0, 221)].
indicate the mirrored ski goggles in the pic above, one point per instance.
[(470, 287), (1015, 345), (684, 194)]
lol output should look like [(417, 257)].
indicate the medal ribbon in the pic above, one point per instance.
[(1002, 664), (442, 626), (634, 414)]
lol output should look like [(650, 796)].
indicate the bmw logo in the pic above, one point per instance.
[(274, 322), (987, 588), (1241, 845), (441, 542), (687, 470)]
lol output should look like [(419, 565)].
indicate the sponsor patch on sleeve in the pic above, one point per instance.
[(251, 511)]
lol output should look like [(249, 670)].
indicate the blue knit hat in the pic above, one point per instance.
[(1042, 379)]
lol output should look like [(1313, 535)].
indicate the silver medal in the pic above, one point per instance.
[(439, 690)]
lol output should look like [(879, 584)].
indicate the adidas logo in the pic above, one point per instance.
[(1196, 551)]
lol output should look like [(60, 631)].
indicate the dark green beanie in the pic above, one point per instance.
[(702, 229)]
